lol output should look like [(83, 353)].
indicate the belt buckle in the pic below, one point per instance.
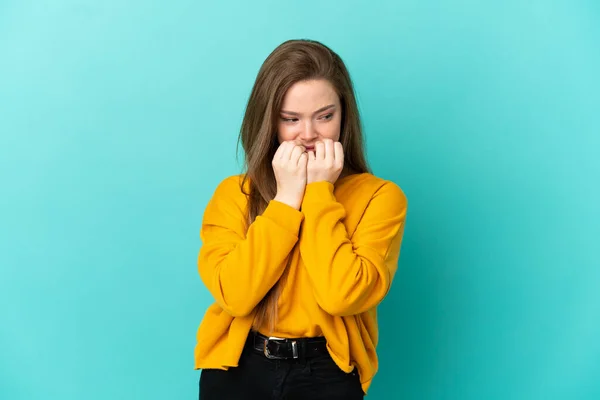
[(271, 356)]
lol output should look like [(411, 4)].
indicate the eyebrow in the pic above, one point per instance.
[(316, 112)]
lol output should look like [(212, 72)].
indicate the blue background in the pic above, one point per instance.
[(119, 118)]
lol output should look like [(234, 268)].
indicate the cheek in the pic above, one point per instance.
[(284, 133), (333, 130)]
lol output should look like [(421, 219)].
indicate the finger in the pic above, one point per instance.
[(279, 151), (329, 154), (320, 151), (302, 160), (311, 155), (287, 151), (297, 151), (338, 152)]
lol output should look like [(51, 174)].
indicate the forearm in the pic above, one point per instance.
[(240, 273), (348, 276)]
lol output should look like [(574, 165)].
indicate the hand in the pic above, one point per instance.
[(289, 166), (326, 162)]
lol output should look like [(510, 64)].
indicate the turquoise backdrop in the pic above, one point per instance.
[(119, 118)]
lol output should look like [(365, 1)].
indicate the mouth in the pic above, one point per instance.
[(310, 148)]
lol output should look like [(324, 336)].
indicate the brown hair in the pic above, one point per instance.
[(291, 62)]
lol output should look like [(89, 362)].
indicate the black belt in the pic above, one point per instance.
[(282, 349)]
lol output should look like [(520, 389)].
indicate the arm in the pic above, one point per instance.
[(351, 275), (239, 267)]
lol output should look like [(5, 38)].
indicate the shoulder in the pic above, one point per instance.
[(232, 187), (374, 186), (230, 192), (392, 191), (377, 197), (227, 206), (230, 184)]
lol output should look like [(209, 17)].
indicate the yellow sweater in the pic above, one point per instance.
[(348, 235)]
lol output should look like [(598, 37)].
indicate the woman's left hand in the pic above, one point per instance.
[(326, 162)]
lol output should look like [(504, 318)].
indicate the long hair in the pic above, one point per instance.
[(292, 61)]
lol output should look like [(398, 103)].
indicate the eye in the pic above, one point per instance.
[(327, 117), (289, 119)]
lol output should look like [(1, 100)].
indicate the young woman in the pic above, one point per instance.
[(300, 249)]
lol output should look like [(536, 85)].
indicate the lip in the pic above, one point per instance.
[(310, 148)]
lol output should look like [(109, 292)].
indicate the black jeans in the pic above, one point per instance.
[(258, 377)]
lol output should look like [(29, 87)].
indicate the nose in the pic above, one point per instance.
[(308, 132)]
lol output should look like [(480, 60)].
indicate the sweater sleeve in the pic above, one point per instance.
[(240, 267), (351, 275)]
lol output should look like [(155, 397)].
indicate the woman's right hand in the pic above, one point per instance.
[(289, 166)]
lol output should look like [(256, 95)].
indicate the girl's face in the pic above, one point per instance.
[(311, 111)]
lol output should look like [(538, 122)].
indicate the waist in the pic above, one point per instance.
[(275, 348)]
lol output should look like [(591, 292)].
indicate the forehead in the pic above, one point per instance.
[(307, 96)]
